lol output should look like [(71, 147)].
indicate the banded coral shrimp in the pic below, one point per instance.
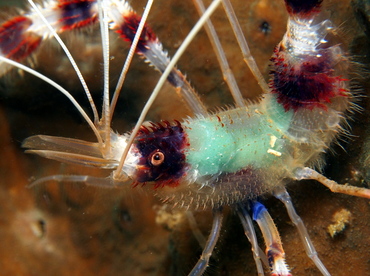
[(294, 270)]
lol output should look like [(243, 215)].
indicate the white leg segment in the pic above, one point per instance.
[(202, 264), (274, 248), (249, 231), (284, 197)]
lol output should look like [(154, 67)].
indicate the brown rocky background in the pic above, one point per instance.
[(74, 229)]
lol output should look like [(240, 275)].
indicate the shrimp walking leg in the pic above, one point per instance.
[(283, 196), (308, 173), (195, 229), (202, 264), (274, 248), (221, 56), (249, 231)]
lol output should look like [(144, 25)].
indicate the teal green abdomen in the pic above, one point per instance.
[(235, 139)]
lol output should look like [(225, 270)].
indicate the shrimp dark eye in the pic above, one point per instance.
[(161, 154), (157, 158)]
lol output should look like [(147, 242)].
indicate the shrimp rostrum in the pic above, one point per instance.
[(230, 157)]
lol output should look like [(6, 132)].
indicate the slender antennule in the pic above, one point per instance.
[(162, 80), (221, 57)]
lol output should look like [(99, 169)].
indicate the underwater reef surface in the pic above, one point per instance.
[(74, 229)]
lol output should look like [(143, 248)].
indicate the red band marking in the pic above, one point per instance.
[(15, 42)]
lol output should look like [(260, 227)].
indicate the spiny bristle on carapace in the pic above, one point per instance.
[(163, 127)]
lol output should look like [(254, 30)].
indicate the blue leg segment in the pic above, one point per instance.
[(274, 249)]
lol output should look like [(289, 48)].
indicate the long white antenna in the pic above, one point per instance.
[(71, 60), (60, 88), (106, 113)]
